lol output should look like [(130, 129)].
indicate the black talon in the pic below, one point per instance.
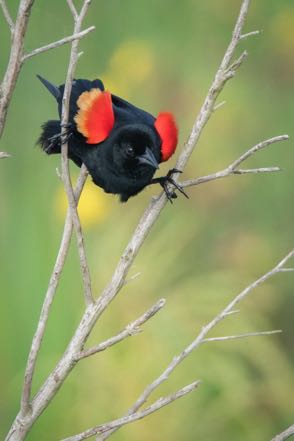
[(164, 180), (65, 137)]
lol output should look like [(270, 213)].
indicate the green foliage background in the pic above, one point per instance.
[(160, 55)]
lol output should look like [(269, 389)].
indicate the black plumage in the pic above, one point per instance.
[(125, 161)]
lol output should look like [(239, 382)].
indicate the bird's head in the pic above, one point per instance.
[(136, 149)]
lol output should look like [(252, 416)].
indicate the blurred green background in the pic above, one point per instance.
[(160, 55)]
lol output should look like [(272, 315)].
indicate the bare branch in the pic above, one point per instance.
[(214, 91), (58, 43), (232, 168), (231, 70), (78, 19), (235, 311), (7, 15), (4, 155), (235, 337), (218, 106), (132, 278), (115, 424), (73, 10), (131, 329), (201, 338), (284, 435), (49, 297), (250, 34), (15, 58), (256, 148), (240, 171)]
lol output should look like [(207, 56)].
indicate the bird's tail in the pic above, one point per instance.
[(50, 139)]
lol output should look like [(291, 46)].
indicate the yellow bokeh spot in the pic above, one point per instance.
[(94, 205), (136, 60)]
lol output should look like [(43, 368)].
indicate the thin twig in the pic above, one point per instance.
[(204, 331), (250, 34), (256, 148), (219, 105), (49, 297), (4, 155), (15, 58), (285, 434), (115, 424), (232, 169), (236, 337), (132, 278), (73, 10), (58, 43), (201, 338), (7, 15), (78, 19), (245, 171), (214, 91), (131, 329)]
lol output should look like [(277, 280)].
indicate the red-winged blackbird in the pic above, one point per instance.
[(120, 144)]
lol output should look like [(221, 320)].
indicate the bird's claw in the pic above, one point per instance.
[(61, 138), (165, 180)]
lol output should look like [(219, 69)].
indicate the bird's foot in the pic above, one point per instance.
[(164, 181), (61, 138)]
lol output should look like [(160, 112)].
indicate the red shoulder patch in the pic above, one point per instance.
[(95, 118), (167, 129)]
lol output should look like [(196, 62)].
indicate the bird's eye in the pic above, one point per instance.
[(130, 151)]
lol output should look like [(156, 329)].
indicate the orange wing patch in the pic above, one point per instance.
[(95, 118), (167, 129)]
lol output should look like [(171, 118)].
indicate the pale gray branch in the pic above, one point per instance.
[(238, 336), (250, 34), (15, 58), (49, 297), (4, 155), (256, 148), (131, 329), (132, 278), (231, 70), (235, 311), (73, 9), (285, 434), (201, 338), (245, 171), (127, 419), (232, 169), (219, 105), (78, 19), (58, 43), (215, 89), (7, 15)]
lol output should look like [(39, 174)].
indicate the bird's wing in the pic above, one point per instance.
[(130, 113), (95, 116)]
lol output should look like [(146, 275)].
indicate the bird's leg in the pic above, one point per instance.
[(64, 137), (60, 138), (165, 180)]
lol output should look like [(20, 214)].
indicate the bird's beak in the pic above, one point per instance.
[(148, 158)]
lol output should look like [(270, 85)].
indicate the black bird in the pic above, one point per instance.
[(120, 144)]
